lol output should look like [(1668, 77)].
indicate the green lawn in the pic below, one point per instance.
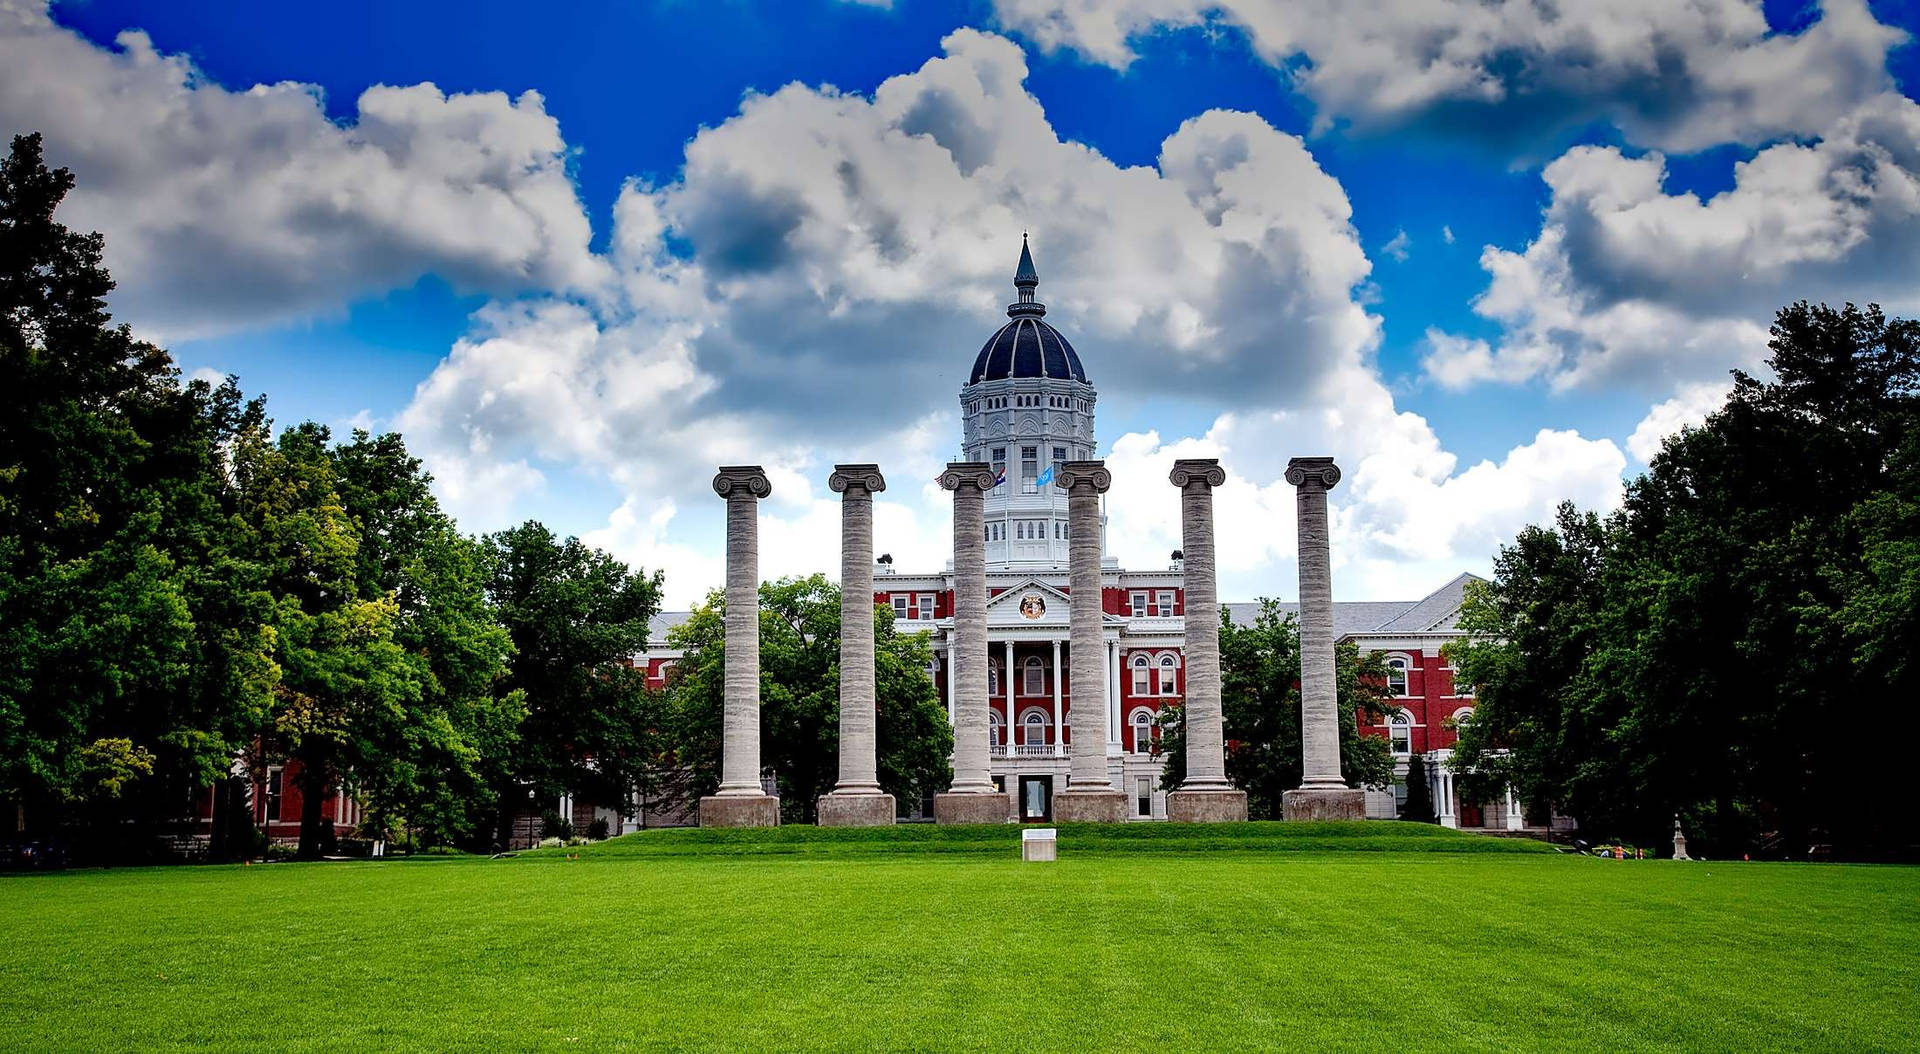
[(1141, 938)]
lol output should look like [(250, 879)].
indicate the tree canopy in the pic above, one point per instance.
[(1716, 648), (1260, 706), (800, 697)]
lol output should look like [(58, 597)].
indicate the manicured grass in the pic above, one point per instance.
[(1075, 838), (646, 944)]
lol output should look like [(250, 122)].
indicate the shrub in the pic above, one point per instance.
[(553, 825), (597, 830)]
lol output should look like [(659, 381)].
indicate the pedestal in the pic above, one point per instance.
[(856, 810), (1207, 806), (1090, 806), (971, 808), (740, 810), (1342, 804)]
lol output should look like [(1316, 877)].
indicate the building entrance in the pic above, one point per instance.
[(1036, 799)]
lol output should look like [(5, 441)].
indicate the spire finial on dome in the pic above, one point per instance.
[(1025, 279)]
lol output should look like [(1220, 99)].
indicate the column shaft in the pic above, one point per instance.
[(1085, 481), (972, 764), (1205, 736), (859, 767), (1059, 737), (1319, 714), (1011, 749), (740, 717)]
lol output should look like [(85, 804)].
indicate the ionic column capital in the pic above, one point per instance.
[(975, 474), (856, 477), (1318, 472), (1197, 470), (1068, 475), (745, 479)]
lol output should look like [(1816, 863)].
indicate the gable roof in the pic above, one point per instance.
[(1436, 612)]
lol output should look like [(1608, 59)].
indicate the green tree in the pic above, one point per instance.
[(437, 760), (133, 662), (342, 675), (1723, 634), (577, 619), (1260, 705), (800, 697)]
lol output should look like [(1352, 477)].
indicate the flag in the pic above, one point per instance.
[(1046, 477), (999, 477)]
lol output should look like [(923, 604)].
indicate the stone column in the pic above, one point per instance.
[(741, 802), (1090, 795), (972, 798), (1204, 795), (1323, 794), (857, 800)]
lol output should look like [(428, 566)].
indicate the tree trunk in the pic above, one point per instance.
[(316, 836)]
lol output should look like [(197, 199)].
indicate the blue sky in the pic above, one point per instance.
[(1487, 274)]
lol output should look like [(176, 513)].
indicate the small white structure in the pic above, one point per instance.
[(1039, 843)]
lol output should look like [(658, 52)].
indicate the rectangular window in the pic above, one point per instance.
[(926, 607), (274, 789), (1059, 454), (1139, 602), (1142, 681), (999, 459), (1143, 795), (1036, 678), (1166, 603), (900, 605), (1401, 738), (1029, 470), (1166, 679)]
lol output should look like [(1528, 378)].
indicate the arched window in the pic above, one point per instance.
[(1036, 729), (993, 677), (1462, 716), (1400, 734), (1397, 667), (1142, 732), (1036, 676), (995, 728), (1168, 664), (1142, 675)]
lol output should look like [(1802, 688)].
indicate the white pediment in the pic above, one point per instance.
[(1031, 603)]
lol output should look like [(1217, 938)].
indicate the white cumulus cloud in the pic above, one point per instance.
[(1677, 76), (228, 208)]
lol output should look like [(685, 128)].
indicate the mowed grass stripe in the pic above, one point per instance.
[(1104, 950)]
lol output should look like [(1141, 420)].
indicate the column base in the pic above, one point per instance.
[(1323, 804), (1090, 806), (745, 810), (855, 810), (952, 808), (1207, 806)]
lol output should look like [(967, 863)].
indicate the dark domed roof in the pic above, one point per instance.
[(1026, 346)]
